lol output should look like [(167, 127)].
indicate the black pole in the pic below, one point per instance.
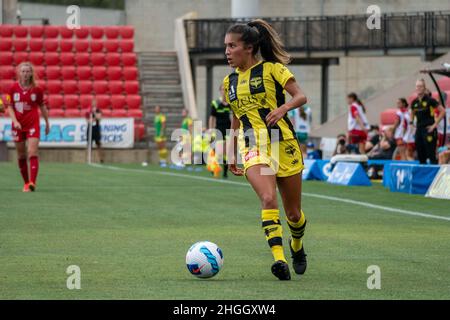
[(441, 98), (324, 92), (209, 90)]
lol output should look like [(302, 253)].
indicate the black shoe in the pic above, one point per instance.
[(298, 259), (280, 269)]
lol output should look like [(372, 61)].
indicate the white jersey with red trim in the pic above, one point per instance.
[(410, 130), (356, 109), (401, 128)]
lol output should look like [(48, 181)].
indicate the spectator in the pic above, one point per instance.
[(93, 118), (341, 146), (373, 137), (357, 123), (444, 154), (301, 120), (312, 152), (386, 147)]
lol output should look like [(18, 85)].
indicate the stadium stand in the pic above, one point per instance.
[(76, 66)]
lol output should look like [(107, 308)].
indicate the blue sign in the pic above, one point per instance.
[(411, 178), (349, 174)]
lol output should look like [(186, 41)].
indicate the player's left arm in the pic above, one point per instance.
[(298, 99), (44, 112)]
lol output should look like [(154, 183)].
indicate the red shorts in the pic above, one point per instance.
[(411, 145), (357, 136), (440, 139), (399, 142), (26, 133)]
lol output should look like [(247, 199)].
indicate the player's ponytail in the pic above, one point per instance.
[(264, 40), (33, 78)]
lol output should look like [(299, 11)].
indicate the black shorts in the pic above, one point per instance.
[(96, 136), (223, 131)]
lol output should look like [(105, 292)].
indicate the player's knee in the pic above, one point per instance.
[(293, 215), (269, 200)]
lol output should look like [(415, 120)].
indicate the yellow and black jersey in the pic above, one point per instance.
[(424, 110), (254, 93)]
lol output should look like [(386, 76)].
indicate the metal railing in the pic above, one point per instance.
[(424, 30)]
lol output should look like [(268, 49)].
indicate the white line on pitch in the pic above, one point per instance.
[(314, 195)]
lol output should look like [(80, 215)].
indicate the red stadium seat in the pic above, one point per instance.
[(68, 72), (36, 45), (51, 45), (130, 73), (40, 71), (126, 32), (131, 87), (82, 59), (70, 86), (51, 31), (51, 58), (20, 31), (129, 59), (98, 59), (6, 58), (96, 32), (65, 32), (85, 87), (96, 45), (126, 45), (103, 101), (36, 58), (86, 101), (19, 57), (117, 101), (106, 113), (135, 113), (66, 45), (55, 101), (6, 44), (56, 113), (388, 117), (84, 73), (116, 87), (133, 101), (36, 31), (112, 32), (5, 85), (41, 83), (82, 33), (139, 131), (81, 45), (113, 59), (7, 72), (20, 44), (111, 45), (67, 58), (444, 83), (99, 73), (101, 87), (119, 113), (114, 73), (6, 30), (73, 113), (53, 73), (71, 101), (54, 86)]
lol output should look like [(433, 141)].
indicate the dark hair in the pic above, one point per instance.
[(353, 96), (264, 39), (404, 102)]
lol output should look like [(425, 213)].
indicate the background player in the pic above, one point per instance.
[(400, 127), (93, 118), (358, 126), (24, 99), (160, 135), (301, 119), (255, 91)]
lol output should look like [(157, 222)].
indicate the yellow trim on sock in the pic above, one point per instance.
[(278, 253)]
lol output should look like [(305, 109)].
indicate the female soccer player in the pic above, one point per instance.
[(358, 126), (160, 136), (400, 127), (255, 91), (24, 99)]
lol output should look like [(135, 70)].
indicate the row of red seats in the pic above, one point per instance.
[(70, 58), (89, 73), (88, 87), (65, 45), (49, 31), (74, 113), (104, 101)]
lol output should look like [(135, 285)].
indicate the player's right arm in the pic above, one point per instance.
[(9, 105)]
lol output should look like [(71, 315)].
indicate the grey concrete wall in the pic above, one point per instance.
[(58, 16)]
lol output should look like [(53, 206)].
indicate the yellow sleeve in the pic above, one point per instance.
[(225, 84), (163, 118), (281, 73)]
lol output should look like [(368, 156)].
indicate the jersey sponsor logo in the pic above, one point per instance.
[(243, 81), (256, 82), (251, 154), (33, 97), (16, 97)]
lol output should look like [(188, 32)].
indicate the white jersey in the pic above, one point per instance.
[(356, 109), (440, 126), (300, 124), (401, 128), (410, 130)]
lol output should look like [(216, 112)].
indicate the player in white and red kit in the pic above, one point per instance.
[(24, 99), (400, 127), (358, 126)]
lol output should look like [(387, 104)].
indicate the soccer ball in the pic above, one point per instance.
[(204, 259)]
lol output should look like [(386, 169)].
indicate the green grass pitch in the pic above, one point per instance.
[(128, 230)]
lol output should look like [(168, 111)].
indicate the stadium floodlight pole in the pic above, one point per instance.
[(89, 153)]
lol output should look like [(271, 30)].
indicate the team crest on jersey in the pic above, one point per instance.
[(16, 97), (256, 82), (290, 150), (33, 97), (424, 104)]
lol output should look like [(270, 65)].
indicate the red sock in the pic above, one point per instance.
[(34, 168), (23, 166)]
